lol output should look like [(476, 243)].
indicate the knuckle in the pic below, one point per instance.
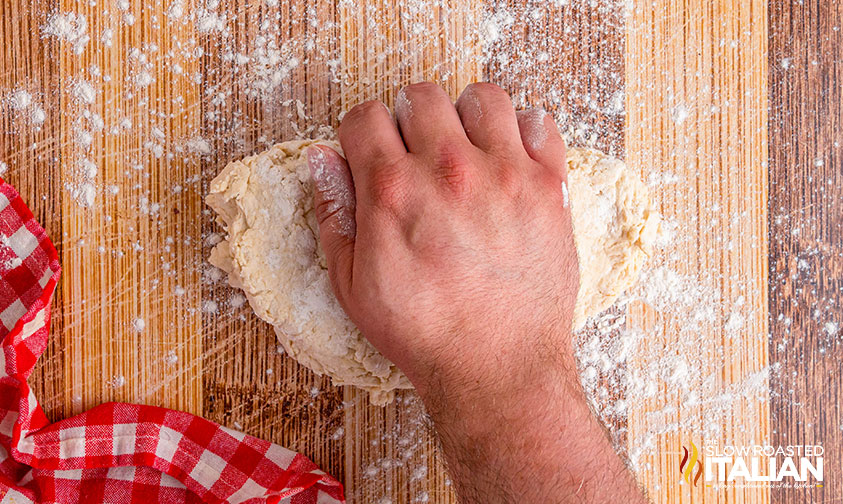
[(548, 179), (452, 153), (389, 190), (547, 186), (453, 168), (510, 180), (325, 209)]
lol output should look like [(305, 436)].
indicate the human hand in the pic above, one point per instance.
[(463, 261), (449, 243)]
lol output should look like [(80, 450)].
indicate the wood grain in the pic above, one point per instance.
[(567, 58), (124, 254), (806, 234), (201, 352), (696, 106), (30, 153), (248, 385)]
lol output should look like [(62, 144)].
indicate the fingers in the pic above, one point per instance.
[(335, 205), (541, 139), (427, 119), (489, 119), (370, 140)]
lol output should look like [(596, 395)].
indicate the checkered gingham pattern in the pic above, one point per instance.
[(115, 453)]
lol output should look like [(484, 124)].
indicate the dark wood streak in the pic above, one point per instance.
[(247, 384), (584, 68), (32, 155), (806, 235)]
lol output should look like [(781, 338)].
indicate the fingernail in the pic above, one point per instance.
[(403, 105), (325, 169), (531, 113), (333, 187), (316, 161), (533, 127), (327, 174)]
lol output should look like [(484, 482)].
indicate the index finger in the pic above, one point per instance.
[(370, 140)]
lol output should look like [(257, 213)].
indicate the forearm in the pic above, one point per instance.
[(531, 439)]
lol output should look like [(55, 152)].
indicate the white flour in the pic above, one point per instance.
[(245, 102), (68, 27)]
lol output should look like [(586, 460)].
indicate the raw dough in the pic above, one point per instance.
[(265, 204), (615, 227)]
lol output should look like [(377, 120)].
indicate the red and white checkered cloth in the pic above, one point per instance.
[(115, 453)]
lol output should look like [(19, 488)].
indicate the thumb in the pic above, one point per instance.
[(334, 203)]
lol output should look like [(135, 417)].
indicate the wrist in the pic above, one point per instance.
[(501, 374), (531, 423), (480, 399)]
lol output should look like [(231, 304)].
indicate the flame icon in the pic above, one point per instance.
[(689, 460)]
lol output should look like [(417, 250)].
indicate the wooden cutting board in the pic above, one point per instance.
[(140, 317)]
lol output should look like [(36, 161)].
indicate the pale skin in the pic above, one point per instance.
[(462, 271)]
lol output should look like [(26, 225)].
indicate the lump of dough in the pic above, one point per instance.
[(615, 227), (271, 251)]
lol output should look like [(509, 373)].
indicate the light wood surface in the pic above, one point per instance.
[(706, 61), (220, 361), (128, 335)]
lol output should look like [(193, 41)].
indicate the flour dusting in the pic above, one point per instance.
[(202, 84)]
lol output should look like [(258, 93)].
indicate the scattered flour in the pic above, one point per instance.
[(143, 79), (20, 99), (680, 113), (176, 10), (117, 381), (247, 70), (23, 104), (210, 21), (84, 91), (237, 300), (68, 27), (199, 146)]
